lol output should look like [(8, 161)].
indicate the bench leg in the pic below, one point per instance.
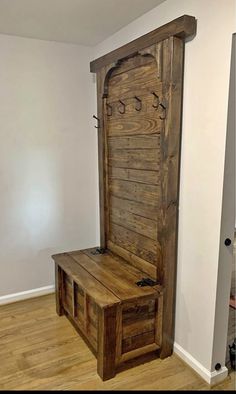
[(106, 342), (58, 286)]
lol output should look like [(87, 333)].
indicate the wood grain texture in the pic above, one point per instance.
[(107, 342), (91, 286), (183, 27), (139, 111), (173, 59), (112, 275), (143, 265), (143, 247), (58, 290)]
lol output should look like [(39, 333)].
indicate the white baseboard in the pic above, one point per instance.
[(210, 377), (8, 299)]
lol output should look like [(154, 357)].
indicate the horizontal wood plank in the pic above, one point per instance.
[(137, 208), (183, 27), (138, 328), (136, 142), (94, 288), (134, 175), (131, 125), (133, 222), (134, 191), (139, 245), (113, 277), (137, 341), (142, 159), (144, 79)]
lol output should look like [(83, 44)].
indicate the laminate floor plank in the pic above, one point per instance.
[(44, 352)]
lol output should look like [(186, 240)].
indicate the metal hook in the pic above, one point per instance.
[(98, 126), (157, 98), (138, 105), (164, 109), (123, 110), (109, 110)]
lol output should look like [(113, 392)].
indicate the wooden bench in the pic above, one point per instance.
[(139, 101), (99, 294)]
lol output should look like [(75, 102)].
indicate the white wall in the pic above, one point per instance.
[(207, 62), (48, 158)]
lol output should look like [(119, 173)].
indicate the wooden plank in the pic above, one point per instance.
[(140, 80), (130, 174), (142, 159), (139, 352), (173, 58), (106, 342), (143, 309), (94, 288), (113, 277), (148, 124), (159, 319), (143, 265), (118, 334), (137, 341), (136, 142), (58, 290), (133, 62), (138, 208), (134, 191), (138, 328), (133, 222), (183, 27), (139, 245)]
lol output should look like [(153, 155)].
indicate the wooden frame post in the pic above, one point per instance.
[(107, 342), (59, 289)]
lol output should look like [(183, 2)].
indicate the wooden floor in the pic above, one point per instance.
[(39, 350)]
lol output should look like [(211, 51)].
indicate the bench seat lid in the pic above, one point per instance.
[(99, 293), (110, 272)]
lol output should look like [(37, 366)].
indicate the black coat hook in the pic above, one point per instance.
[(164, 110), (138, 105), (121, 111), (156, 97), (109, 109), (98, 124)]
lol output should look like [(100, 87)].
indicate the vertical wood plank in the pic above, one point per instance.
[(173, 57), (102, 76), (59, 289), (158, 320), (106, 357)]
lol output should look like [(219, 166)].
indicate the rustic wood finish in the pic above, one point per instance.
[(182, 27), (139, 96)]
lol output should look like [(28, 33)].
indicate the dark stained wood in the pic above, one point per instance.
[(149, 124), (183, 27), (141, 246), (173, 60), (100, 294), (134, 142), (135, 223), (134, 175), (135, 191), (107, 342), (112, 275), (142, 159), (139, 96), (137, 341), (138, 208), (58, 290)]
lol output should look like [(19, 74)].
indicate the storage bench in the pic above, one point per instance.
[(99, 294)]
